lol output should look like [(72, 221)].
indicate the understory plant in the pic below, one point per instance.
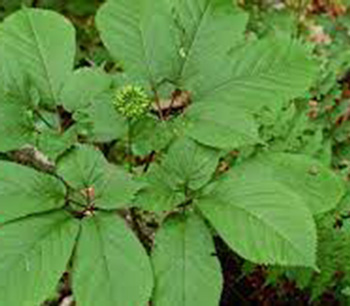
[(318, 125), (149, 163)]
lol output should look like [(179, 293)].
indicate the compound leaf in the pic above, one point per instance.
[(266, 73), (85, 168), (34, 254), (186, 272), (121, 269), (187, 164)]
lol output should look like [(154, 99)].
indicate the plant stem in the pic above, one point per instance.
[(42, 118), (35, 3), (157, 101), (129, 145)]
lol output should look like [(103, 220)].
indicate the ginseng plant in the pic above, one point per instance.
[(173, 137)]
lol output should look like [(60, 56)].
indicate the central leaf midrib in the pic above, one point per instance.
[(143, 48), (105, 260), (42, 58), (194, 39)]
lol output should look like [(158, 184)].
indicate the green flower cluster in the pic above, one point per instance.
[(132, 102)]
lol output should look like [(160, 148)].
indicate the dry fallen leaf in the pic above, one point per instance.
[(318, 36)]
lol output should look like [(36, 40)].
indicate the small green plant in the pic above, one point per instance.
[(191, 91)]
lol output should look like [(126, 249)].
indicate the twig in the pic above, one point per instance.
[(32, 157), (149, 161), (173, 98), (157, 101)]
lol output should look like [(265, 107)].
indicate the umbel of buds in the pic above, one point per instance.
[(132, 102)]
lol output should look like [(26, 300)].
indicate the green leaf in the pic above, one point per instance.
[(53, 144), (190, 164), (43, 42), (12, 5), (261, 220), (319, 187), (16, 124), (142, 36), (160, 193), (34, 254), (264, 73), (346, 291), (344, 205), (221, 126), (151, 134), (186, 165), (86, 168), (108, 250), (25, 191), (13, 80), (333, 257), (210, 29), (100, 122), (187, 273), (82, 87)]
